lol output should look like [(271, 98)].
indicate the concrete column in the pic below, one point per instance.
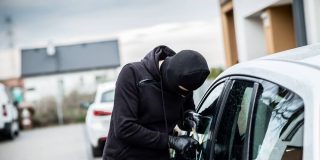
[(312, 19)]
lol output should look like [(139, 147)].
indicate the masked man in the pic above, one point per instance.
[(151, 97)]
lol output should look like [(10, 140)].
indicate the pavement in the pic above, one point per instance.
[(68, 142)]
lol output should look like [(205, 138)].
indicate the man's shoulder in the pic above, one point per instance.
[(136, 67), (128, 74)]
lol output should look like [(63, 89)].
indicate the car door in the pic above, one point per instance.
[(257, 119), (250, 118), (234, 94), (231, 131), (208, 107)]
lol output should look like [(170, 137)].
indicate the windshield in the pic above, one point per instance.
[(107, 96)]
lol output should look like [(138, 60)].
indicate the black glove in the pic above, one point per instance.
[(195, 120), (184, 145), (191, 119)]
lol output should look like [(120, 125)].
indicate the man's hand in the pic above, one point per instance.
[(184, 145), (196, 121), (191, 119)]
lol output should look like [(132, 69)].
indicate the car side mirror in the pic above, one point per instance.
[(204, 124), (85, 105)]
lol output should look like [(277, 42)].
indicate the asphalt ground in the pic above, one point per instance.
[(67, 142)]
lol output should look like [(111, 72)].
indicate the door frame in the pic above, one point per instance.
[(216, 125)]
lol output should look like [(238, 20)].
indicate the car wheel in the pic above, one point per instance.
[(96, 151), (17, 129), (10, 133)]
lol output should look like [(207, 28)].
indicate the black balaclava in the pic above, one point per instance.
[(187, 68)]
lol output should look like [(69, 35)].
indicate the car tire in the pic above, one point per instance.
[(96, 151), (9, 131), (17, 131)]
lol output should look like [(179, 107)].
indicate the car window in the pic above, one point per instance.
[(207, 109), (107, 96), (277, 130), (232, 132), (211, 98)]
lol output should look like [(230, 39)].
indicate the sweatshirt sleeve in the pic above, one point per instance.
[(189, 103), (125, 114)]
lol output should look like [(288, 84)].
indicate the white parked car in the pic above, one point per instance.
[(9, 125), (98, 117), (265, 109)]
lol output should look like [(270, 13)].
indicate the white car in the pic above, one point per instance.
[(265, 109), (98, 117), (9, 125)]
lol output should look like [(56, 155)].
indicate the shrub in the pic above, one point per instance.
[(46, 110), (72, 113), (214, 73)]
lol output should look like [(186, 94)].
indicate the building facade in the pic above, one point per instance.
[(255, 28), (57, 71)]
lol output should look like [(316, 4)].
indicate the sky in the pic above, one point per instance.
[(140, 25)]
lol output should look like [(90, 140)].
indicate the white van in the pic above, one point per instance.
[(9, 126)]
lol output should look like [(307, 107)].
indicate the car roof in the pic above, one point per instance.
[(106, 86), (295, 65), (307, 56), (296, 69)]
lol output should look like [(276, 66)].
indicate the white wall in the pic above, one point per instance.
[(247, 8), (249, 30), (250, 38), (249, 27), (312, 19), (83, 82), (9, 64)]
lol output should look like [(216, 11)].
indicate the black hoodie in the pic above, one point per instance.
[(138, 129)]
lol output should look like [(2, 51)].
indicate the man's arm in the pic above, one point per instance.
[(187, 106), (189, 103), (125, 114)]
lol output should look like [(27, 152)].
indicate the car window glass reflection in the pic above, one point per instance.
[(277, 112), (211, 99), (207, 110), (232, 134)]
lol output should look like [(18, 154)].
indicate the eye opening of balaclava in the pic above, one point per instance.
[(187, 68)]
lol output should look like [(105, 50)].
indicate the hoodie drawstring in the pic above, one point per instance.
[(164, 109)]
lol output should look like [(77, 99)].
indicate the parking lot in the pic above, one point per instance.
[(67, 142)]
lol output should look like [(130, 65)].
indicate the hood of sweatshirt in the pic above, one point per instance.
[(187, 68), (151, 60), (184, 72)]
